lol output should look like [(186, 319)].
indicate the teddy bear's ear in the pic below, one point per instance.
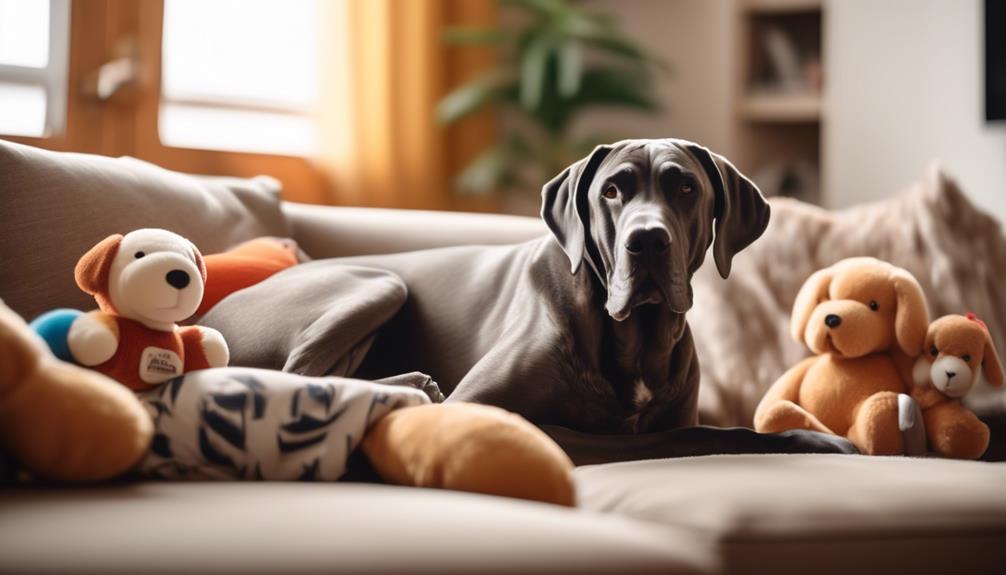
[(991, 365), (813, 292), (911, 322), (92, 269)]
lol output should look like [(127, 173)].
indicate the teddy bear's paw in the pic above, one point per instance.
[(965, 438), (215, 347), (92, 341)]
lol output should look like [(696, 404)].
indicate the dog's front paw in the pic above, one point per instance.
[(805, 441), (432, 390)]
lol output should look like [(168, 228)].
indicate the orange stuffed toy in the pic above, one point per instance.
[(958, 350), (866, 319), (144, 282)]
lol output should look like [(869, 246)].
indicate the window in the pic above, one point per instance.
[(240, 76), (34, 50)]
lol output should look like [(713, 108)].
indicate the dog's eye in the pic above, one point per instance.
[(611, 192), (686, 188), (139, 255), (935, 352), (966, 358), (873, 305)]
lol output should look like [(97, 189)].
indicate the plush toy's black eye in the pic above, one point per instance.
[(873, 305), (935, 352), (966, 358), (611, 192), (139, 255)]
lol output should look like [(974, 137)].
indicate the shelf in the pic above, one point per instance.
[(781, 108), (782, 6)]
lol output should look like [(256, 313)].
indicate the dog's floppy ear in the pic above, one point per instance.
[(911, 321), (741, 212), (564, 205), (813, 292), (93, 267), (991, 365)]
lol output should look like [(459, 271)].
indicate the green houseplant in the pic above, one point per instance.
[(556, 62)]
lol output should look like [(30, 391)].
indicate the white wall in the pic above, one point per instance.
[(692, 36), (905, 86)]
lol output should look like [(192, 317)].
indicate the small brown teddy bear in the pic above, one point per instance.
[(866, 319), (958, 351)]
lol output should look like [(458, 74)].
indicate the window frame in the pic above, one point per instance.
[(51, 78)]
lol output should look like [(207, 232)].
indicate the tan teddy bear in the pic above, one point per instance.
[(866, 319), (958, 351)]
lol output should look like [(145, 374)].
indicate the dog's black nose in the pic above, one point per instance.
[(951, 374), (177, 279), (647, 240), (832, 320)]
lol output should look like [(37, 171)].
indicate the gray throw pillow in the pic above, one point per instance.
[(54, 206)]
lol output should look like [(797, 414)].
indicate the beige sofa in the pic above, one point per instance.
[(734, 514)]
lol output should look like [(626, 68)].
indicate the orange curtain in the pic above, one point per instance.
[(385, 69)]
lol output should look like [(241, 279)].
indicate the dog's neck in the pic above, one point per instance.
[(645, 340)]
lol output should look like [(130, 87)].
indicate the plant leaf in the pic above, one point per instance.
[(485, 173), (570, 68), (533, 69), (472, 96)]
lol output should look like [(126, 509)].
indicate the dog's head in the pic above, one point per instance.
[(860, 306), (642, 213), (956, 353), (150, 275)]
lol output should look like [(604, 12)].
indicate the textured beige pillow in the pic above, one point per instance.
[(54, 206)]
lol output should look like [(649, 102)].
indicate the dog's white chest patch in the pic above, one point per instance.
[(641, 394), (158, 365)]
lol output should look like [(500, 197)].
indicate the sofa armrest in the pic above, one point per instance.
[(329, 231)]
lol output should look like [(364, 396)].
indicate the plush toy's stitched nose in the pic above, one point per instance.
[(832, 320), (177, 279), (951, 374)]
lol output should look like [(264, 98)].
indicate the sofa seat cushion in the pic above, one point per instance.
[(57, 205), (294, 528), (844, 512)]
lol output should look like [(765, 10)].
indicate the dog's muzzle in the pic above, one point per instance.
[(647, 243)]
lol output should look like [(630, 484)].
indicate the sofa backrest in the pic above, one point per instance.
[(55, 205)]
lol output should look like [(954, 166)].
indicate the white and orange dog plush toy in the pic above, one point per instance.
[(958, 352), (144, 282)]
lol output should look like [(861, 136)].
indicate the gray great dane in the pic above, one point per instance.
[(583, 332)]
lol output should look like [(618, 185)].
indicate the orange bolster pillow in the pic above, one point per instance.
[(245, 265)]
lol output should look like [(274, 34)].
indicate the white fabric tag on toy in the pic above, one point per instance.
[(158, 365)]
